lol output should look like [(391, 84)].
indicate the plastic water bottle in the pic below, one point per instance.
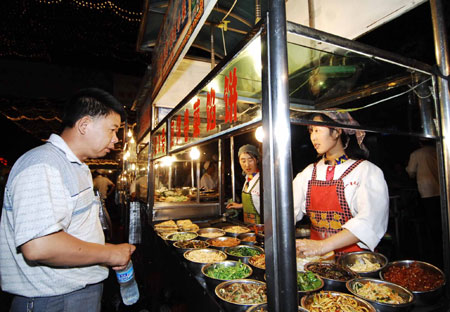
[(128, 287)]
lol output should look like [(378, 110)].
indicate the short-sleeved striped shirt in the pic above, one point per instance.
[(48, 190)]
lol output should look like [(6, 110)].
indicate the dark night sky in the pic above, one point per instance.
[(410, 35)]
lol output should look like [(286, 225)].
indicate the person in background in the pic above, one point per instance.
[(138, 188), (423, 166), (249, 158), (209, 179), (53, 255), (345, 196), (104, 185)]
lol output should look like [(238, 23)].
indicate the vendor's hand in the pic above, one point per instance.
[(234, 206), (119, 255), (309, 247)]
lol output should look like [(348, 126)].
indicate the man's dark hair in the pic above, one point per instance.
[(91, 102)]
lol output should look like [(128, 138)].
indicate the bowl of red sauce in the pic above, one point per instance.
[(423, 279)]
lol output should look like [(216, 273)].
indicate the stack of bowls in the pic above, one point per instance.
[(422, 297), (333, 275), (405, 296), (229, 269), (253, 294), (207, 233), (243, 252), (364, 263)]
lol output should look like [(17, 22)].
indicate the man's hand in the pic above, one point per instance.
[(119, 255), (62, 249)]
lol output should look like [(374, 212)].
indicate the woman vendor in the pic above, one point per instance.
[(249, 159), (344, 195)]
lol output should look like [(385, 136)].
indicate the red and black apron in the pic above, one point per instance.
[(327, 207)]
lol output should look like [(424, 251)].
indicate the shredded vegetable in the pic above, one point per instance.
[(377, 292)]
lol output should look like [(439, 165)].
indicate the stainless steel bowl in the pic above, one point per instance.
[(180, 246), (233, 306), (244, 236), (196, 266), (302, 293), (404, 293), (205, 233), (257, 228), (244, 259), (421, 297), (331, 283), (213, 282), (213, 242), (265, 308), (258, 271), (174, 236), (349, 259), (229, 230), (307, 300)]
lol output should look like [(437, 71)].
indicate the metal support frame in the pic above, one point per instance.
[(277, 169), (442, 60)]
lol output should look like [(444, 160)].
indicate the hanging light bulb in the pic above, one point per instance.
[(132, 140), (194, 153), (130, 134), (259, 134), (133, 167)]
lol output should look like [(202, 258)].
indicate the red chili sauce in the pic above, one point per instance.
[(414, 277)]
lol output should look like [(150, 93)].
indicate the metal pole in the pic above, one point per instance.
[(442, 60), (213, 57), (233, 171), (277, 169)]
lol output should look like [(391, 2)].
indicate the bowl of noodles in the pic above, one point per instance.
[(241, 294), (365, 263), (384, 296), (335, 301)]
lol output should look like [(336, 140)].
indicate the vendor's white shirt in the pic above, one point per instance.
[(366, 193), (255, 192)]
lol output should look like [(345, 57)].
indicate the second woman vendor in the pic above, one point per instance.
[(344, 195), (249, 158)]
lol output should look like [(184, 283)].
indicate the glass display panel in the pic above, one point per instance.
[(380, 95), (231, 98), (177, 176), (159, 141)]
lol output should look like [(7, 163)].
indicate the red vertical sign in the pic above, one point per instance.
[(186, 125), (230, 97), (211, 110), (196, 130)]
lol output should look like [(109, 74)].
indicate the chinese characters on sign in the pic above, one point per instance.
[(230, 97), (211, 110), (179, 125)]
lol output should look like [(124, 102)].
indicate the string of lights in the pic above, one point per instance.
[(102, 5)]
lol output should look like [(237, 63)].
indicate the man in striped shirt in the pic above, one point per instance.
[(53, 255)]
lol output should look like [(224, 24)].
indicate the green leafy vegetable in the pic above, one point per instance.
[(307, 281), (222, 272)]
